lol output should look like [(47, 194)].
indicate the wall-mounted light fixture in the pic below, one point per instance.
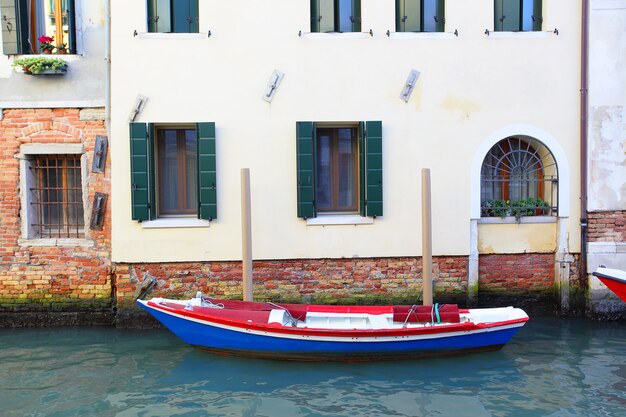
[(99, 154), (97, 211), (272, 85), (409, 85), (139, 105)]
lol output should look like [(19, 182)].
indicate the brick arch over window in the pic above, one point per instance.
[(539, 136), (54, 130)]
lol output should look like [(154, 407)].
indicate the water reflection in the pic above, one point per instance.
[(552, 367)]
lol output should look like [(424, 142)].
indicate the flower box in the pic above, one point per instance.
[(40, 65)]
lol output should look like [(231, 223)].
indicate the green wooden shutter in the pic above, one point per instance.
[(315, 16), (159, 16), (441, 16), (537, 15), (207, 172), (497, 15), (399, 15), (71, 11), (185, 16), (14, 22), (305, 165), (140, 171), (152, 14), (373, 169), (194, 16), (512, 14), (8, 20), (356, 15), (362, 153)]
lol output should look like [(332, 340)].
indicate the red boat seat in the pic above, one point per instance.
[(448, 313)]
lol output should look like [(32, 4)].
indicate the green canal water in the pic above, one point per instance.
[(552, 367)]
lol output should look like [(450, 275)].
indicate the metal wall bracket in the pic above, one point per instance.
[(99, 154), (97, 211)]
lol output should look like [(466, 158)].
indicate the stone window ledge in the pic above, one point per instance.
[(166, 223), (338, 219), (512, 219), (69, 242)]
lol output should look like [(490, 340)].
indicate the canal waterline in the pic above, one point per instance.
[(552, 367)]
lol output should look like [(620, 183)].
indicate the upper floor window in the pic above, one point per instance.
[(519, 177), (173, 16), (335, 15), (517, 15), (339, 168), (420, 15), (173, 171), (38, 26)]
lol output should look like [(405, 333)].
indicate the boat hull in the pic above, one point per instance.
[(325, 346), (614, 279)]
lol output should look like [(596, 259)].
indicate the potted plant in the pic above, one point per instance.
[(39, 65), (501, 208), (45, 43), (62, 49)]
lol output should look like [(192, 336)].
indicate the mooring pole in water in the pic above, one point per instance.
[(246, 234), (427, 241)]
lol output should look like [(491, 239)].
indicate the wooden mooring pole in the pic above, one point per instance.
[(427, 241), (246, 234)]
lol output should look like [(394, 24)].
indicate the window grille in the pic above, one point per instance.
[(519, 177), (58, 197)]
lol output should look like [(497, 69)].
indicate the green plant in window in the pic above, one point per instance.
[(501, 208), (38, 64), (518, 208), (538, 207)]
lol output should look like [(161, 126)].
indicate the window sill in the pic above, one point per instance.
[(512, 219), (421, 35), (61, 242), (338, 219), (167, 223), (335, 35), (522, 35), (177, 36)]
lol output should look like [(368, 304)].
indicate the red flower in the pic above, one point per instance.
[(45, 39)]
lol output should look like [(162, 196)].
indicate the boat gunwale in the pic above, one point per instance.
[(242, 325)]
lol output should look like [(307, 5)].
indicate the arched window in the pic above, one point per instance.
[(519, 177)]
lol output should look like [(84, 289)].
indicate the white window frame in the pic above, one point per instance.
[(27, 181)]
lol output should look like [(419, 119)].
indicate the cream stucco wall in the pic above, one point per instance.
[(607, 105), (84, 83), (517, 238), (470, 86)]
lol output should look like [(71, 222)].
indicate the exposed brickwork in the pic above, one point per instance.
[(516, 273), (50, 277), (321, 280), (606, 226)]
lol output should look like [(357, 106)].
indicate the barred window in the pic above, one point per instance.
[(57, 197), (519, 177)]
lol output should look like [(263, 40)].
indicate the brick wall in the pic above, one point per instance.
[(606, 226), (370, 280), (515, 273), (50, 277)]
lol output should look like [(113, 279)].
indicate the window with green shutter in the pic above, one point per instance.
[(518, 15), (173, 16), (173, 171), (420, 15), (335, 15), (24, 22), (339, 169)]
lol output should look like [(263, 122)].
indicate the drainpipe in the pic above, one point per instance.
[(584, 102), (107, 58)]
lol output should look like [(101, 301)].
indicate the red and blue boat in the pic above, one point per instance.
[(614, 279), (334, 333)]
